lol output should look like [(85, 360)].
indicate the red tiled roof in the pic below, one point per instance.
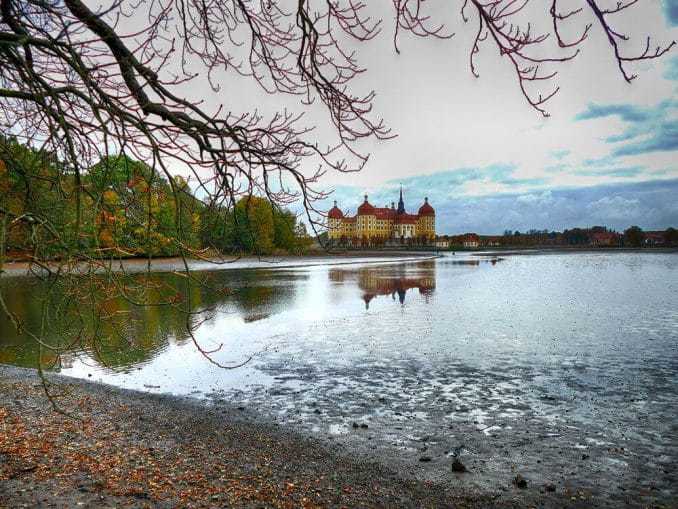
[(366, 209), (604, 236), (335, 212), (426, 209), (384, 213), (406, 219)]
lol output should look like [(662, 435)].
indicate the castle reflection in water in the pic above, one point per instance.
[(390, 281)]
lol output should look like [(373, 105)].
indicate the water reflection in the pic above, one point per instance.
[(582, 345), (471, 262), (392, 281), (117, 333)]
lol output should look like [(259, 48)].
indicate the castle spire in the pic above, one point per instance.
[(401, 203)]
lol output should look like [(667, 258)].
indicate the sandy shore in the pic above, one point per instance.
[(138, 450)]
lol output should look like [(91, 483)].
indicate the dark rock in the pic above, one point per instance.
[(520, 481), (425, 459), (584, 456), (364, 426), (355, 425), (458, 466), (549, 486)]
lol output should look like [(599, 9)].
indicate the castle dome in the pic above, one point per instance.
[(335, 212), (426, 209), (366, 209)]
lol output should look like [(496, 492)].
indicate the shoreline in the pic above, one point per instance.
[(174, 264), (163, 450), (513, 250)]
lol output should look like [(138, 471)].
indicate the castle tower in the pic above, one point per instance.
[(401, 203)]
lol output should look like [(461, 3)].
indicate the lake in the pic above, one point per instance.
[(540, 360)]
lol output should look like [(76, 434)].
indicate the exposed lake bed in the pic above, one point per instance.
[(560, 369)]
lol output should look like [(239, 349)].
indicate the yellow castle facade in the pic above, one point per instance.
[(385, 224)]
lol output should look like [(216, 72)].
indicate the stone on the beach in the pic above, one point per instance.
[(458, 466), (520, 481)]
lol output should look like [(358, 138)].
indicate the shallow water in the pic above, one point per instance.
[(437, 357)]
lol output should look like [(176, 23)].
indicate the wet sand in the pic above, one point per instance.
[(141, 450)]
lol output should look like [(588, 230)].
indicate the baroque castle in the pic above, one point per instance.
[(387, 224)]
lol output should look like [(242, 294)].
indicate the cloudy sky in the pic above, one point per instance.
[(608, 154)]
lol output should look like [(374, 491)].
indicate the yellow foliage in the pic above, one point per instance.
[(141, 186), (106, 238), (180, 182), (4, 177), (110, 197)]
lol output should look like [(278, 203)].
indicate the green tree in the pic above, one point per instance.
[(284, 230), (253, 225)]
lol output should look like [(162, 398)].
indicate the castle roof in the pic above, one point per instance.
[(398, 216), (426, 209), (335, 212), (384, 213), (406, 218), (366, 209)]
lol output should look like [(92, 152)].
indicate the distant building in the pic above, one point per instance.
[(605, 239), (470, 240), (654, 238), (382, 223), (491, 241)]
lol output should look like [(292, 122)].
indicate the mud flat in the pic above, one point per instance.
[(140, 450)]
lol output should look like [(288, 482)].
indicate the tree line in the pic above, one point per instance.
[(125, 209), (600, 236)]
